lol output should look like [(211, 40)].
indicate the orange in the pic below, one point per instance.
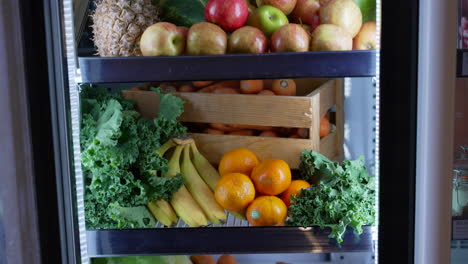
[(284, 87), (267, 211), (239, 160), (234, 191), (251, 86), (202, 259), (324, 127), (294, 188), (226, 259), (271, 177)]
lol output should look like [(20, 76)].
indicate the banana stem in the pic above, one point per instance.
[(165, 147)]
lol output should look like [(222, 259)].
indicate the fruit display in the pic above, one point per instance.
[(161, 174), (217, 27)]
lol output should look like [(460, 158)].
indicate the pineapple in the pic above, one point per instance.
[(118, 25)]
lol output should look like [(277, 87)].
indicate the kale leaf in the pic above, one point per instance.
[(344, 196), (119, 160)]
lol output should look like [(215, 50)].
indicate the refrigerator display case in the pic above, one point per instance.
[(377, 100)]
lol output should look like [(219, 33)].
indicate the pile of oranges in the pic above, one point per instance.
[(260, 189)]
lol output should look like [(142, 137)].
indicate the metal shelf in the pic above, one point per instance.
[(332, 64), (232, 240)]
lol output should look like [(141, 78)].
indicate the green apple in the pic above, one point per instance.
[(367, 8), (268, 19)]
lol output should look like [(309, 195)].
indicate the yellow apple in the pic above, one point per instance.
[(366, 39)]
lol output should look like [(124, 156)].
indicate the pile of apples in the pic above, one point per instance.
[(237, 26)]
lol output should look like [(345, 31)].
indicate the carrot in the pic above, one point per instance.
[(225, 90), (303, 132), (230, 84), (252, 127), (268, 134), (266, 92), (202, 259), (267, 84), (186, 89), (223, 127), (242, 133), (324, 127), (284, 87), (201, 84), (251, 86), (136, 88), (213, 131), (207, 89)]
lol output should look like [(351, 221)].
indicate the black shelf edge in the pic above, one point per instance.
[(333, 64), (229, 240)]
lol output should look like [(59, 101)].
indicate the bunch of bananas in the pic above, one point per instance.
[(194, 202)]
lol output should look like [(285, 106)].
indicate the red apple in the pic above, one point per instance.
[(247, 40), (290, 38), (343, 13), (229, 14), (306, 12), (206, 38), (329, 37), (286, 6), (323, 2), (162, 39), (366, 38)]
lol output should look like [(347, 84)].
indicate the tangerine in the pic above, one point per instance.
[(239, 160), (271, 177), (202, 259), (294, 188), (234, 191), (226, 259), (324, 127), (284, 87), (267, 211)]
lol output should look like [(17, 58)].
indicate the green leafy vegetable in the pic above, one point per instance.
[(144, 260), (131, 217), (345, 195), (182, 12), (119, 159)]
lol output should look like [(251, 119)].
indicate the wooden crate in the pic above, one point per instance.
[(318, 96)]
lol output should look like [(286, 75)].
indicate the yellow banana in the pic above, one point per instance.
[(161, 209), (200, 191), (182, 201), (163, 212), (209, 174)]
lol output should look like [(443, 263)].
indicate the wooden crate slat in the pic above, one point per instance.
[(289, 149), (286, 111), (328, 145)]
